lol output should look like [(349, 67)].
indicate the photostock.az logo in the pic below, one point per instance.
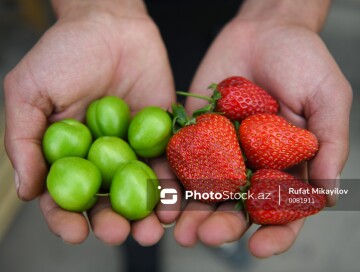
[(164, 193)]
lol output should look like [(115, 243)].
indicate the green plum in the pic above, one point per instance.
[(150, 131), (66, 138), (73, 183), (108, 153), (108, 116), (134, 190)]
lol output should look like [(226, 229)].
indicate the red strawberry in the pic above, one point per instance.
[(269, 141), (237, 98), (206, 156), (275, 197), (241, 98)]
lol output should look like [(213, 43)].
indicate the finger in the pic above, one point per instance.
[(147, 231), (186, 228), (71, 227), (167, 213), (271, 240), (331, 126), (108, 226), (299, 171), (225, 225), (25, 124)]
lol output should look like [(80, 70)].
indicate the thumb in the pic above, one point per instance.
[(329, 119), (25, 122)]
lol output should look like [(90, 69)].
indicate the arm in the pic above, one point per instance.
[(307, 13)]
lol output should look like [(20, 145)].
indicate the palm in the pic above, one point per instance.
[(75, 68), (293, 65), (73, 64)]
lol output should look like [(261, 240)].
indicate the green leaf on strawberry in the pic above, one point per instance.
[(237, 98)]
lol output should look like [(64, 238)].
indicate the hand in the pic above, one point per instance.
[(94, 49), (291, 62)]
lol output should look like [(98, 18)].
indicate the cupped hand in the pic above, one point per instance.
[(292, 63), (87, 54)]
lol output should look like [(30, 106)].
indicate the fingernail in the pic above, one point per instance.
[(16, 180)]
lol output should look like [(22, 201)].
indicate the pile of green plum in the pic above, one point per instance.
[(102, 157)]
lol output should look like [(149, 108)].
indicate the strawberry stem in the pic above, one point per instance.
[(206, 109), (102, 194), (179, 116), (196, 96), (212, 100)]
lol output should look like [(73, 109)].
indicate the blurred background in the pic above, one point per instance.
[(328, 242)]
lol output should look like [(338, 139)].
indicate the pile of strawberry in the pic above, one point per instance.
[(239, 130)]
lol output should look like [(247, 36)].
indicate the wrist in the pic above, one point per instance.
[(307, 13), (86, 8)]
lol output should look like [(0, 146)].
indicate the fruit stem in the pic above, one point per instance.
[(196, 96), (102, 194)]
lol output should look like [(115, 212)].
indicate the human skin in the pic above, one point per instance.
[(96, 48), (267, 42), (276, 44)]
